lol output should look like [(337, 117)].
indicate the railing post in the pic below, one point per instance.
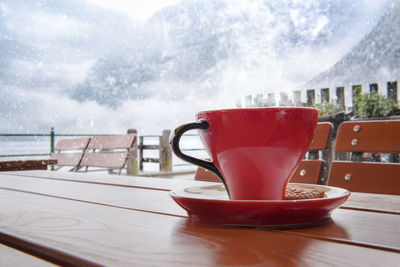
[(340, 98), (325, 95), (297, 98), (51, 140), (356, 91), (271, 100), (310, 97), (141, 153), (392, 90), (283, 99), (248, 101), (165, 152), (132, 164), (373, 88), (259, 100), (51, 145)]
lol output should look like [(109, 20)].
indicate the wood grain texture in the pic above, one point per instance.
[(67, 159), (72, 144), (370, 136), (124, 197), (105, 160), (321, 136), (158, 201), (75, 145), (309, 172), (112, 142), (120, 237), (374, 203), (104, 151), (10, 257), (359, 201), (367, 177), (46, 253), (368, 229), (113, 180)]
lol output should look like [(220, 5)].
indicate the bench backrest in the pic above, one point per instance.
[(112, 142), (315, 171), (105, 151), (69, 152), (72, 144), (369, 136), (321, 137), (308, 172), (370, 177)]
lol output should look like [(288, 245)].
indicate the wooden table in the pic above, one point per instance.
[(93, 219)]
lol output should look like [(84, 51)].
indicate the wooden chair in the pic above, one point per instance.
[(109, 152), (370, 177), (315, 170), (309, 171), (69, 152)]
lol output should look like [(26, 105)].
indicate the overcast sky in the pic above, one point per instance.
[(49, 46), (138, 9)]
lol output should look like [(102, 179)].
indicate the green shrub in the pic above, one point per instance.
[(374, 105), (326, 108)]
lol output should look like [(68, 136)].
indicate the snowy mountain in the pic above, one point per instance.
[(211, 43), (376, 58), (83, 67)]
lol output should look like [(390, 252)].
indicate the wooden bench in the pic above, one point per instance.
[(111, 152), (370, 177), (69, 152), (311, 171), (315, 170)]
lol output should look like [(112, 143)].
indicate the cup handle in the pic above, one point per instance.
[(174, 142)]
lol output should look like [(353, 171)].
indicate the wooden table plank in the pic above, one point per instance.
[(357, 201), (119, 196), (351, 226), (111, 179), (113, 236), (10, 257), (374, 202), (364, 228)]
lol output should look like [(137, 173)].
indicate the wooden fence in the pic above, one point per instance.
[(165, 153), (308, 97), (134, 164)]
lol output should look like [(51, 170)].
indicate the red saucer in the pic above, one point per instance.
[(211, 204)]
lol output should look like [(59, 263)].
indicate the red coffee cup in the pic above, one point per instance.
[(254, 151)]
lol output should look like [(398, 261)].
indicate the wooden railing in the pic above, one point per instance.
[(165, 159), (165, 154), (52, 135), (136, 160), (294, 98)]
